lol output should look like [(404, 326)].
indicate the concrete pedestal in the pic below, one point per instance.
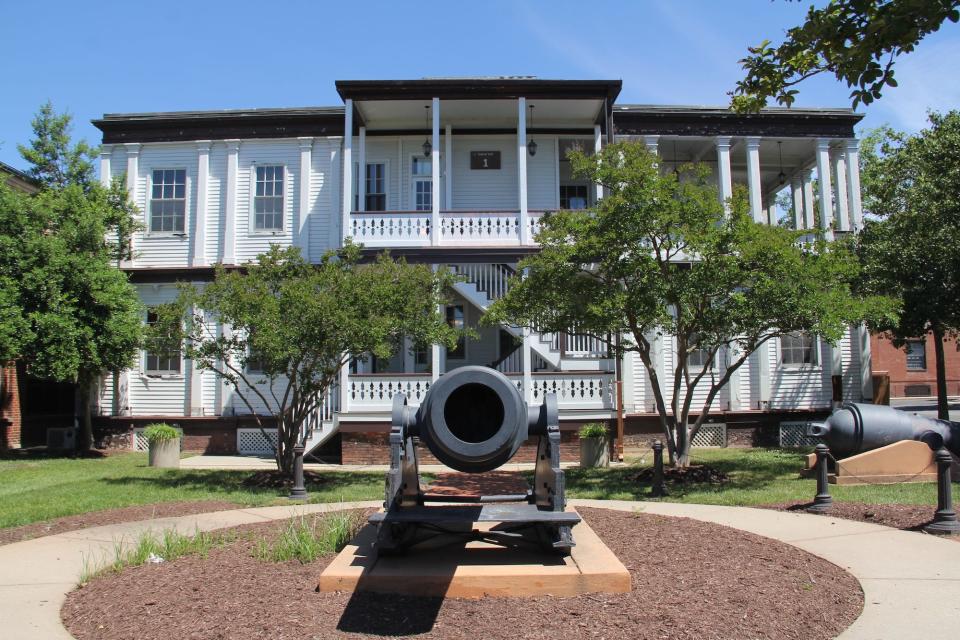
[(477, 569)]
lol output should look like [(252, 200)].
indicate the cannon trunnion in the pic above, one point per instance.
[(473, 419)]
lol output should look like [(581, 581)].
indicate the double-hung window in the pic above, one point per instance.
[(573, 196), (168, 201), (421, 171), (268, 201), (798, 350), (916, 355), (376, 187), (159, 359)]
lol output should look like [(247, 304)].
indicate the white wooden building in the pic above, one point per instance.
[(455, 172)]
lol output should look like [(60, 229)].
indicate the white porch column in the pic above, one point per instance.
[(839, 170), (597, 146), (724, 174), (527, 363), (345, 388), (733, 384), (199, 258), (448, 166), (105, 177), (809, 220), (862, 334), (362, 170), (826, 188), (347, 191), (753, 178), (230, 204), (762, 362), (855, 207), (522, 169), (194, 383), (796, 190), (435, 174), (223, 388), (133, 175), (302, 238)]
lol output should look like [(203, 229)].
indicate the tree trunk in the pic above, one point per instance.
[(943, 406), (86, 419), (683, 443)]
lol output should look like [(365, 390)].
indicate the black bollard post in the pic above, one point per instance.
[(299, 491), (659, 489), (822, 501), (945, 519)]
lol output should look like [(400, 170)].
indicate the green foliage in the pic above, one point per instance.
[(856, 40), (306, 539), (303, 323), (659, 255), (55, 162), (911, 247), (593, 430), (160, 432)]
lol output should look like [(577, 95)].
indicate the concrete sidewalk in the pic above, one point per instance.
[(911, 582)]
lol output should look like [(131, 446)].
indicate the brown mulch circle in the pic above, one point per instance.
[(690, 580), (111, 516), (694, 474), (909, 517)]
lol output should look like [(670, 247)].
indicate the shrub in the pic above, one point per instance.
[(593, 430), (160, 432)]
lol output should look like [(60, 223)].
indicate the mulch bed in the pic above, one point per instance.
[(110, 516), (909, 517), (690, 580)]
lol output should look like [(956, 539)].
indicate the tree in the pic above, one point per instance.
[(73, 314), (659, 256), (301, 323), (55, 162), (856, 40), (911, 250)]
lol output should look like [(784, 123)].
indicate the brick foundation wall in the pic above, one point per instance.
[(11, 417), (215, 436)]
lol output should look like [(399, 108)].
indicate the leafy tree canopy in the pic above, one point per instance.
[(301, 323), (911, 247), (659, 255), (55, 161), (857, 41)]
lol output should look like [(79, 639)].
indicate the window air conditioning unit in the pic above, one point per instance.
[(62, 438)]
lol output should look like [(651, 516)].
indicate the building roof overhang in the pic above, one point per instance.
[(493, 88)]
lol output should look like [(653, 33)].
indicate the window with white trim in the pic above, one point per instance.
[(798, 349), (268, 201), (168, 201), (159, 361), (698, 358), (421, 172)]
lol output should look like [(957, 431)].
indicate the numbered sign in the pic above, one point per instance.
[(484, 159)]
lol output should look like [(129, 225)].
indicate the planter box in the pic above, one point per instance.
[(594, 452), (165, 454)]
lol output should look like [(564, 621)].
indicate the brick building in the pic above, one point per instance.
[(912, 369)]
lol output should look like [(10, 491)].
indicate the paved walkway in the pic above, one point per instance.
[(911, 582)]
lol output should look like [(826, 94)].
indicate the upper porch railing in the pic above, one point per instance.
[(457, 228)]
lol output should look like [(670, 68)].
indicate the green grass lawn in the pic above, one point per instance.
[(757, 476), (41, 489)]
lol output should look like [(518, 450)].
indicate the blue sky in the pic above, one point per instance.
[(95, 57)]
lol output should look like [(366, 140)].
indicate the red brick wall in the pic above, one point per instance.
[(11, 417), (888, 358)]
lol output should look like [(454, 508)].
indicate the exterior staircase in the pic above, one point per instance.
[(323, 423)]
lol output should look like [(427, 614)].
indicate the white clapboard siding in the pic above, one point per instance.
[(542, 188), (481, 190), (799, 388), (253, 153), (160, 396), (384, 151), (748, 398), (324, 214), (850, 347), (216, 192), (165, 250), (105, 395)]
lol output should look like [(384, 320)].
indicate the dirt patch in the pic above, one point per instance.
[(909, 517), (690, 580), (694, 474), (111, 516)]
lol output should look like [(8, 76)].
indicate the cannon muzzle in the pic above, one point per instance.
[(855, 428)]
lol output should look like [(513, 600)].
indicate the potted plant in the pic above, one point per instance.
[(594, 451), (164, 443)]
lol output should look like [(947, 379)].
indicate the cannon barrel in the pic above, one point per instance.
[(855, 428), (474, 419)]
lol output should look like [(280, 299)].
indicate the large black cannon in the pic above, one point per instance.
[(855, 428), (473, 419)]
